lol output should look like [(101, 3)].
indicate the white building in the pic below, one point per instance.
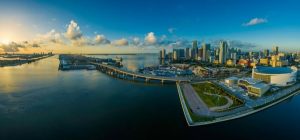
[(278, 76)]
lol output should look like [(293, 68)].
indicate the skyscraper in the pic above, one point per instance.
[(194, 50), (206, 52), (275, 50), (223, 52), (162, 54), (266, 53), (187, 53)]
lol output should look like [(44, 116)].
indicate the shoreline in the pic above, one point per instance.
[(245, 113)]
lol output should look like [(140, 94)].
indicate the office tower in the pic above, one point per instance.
[(206, 52), (194, 53), (175, 54), (187, 53), (181, 54), (162, 54), (266, 53), (223, 52), (178, 54), (233, 57), (200, 54), (275, 50)]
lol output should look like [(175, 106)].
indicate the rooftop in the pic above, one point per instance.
[(260, 85), (273, 70), (251, 80)]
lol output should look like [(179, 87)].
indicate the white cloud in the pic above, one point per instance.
[(150, 38), (136, 41), (255, 21), (52, 36), (73, 31), (171, 30), (120, 42), (101, 39)]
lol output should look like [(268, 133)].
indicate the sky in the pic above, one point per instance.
[(131, 26)]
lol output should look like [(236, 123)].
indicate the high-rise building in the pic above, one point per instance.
[(275, 50), (194, 51), (223, 52), (206, 52), (200, 54), (266, 53), (175, 54), (162, 54), (187, 53), (178, 54)]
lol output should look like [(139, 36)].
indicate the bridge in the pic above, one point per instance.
[(120, 72)]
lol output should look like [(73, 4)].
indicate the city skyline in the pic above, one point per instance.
[(143, 27)]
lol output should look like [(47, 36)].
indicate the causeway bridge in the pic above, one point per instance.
[(111, 70)]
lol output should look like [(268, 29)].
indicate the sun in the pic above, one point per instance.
[(4, 41)]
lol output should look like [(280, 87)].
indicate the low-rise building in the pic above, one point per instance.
[(253, 86), (231, 81)]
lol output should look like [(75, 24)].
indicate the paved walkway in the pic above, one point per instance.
[(196, 104), (216, 108)]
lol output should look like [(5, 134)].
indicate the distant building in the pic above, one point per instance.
[(178, 54), (278, 61), (275, 50), (223, 52), (187, 53), (194, 50), (230, 62), (266, 53), (206, 52), (162, 54), (200, 54), (264, 61)]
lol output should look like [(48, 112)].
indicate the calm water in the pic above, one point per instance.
[(39, 102)]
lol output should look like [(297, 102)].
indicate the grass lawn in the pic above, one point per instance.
[(213, 101), (210, 100)]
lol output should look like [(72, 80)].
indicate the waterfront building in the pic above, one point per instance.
[(279, 76), (231, 81), (223, 52), (253, 86)]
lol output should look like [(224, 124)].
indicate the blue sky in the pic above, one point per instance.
[(275, 22)]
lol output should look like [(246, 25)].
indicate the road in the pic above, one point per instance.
[(195, 103)]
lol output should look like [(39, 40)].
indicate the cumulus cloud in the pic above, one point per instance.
[(255, 21), (73, 31), (120, 42), (52, 36), (136, 41), (11, 47), (101, 39), (150, 38)]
